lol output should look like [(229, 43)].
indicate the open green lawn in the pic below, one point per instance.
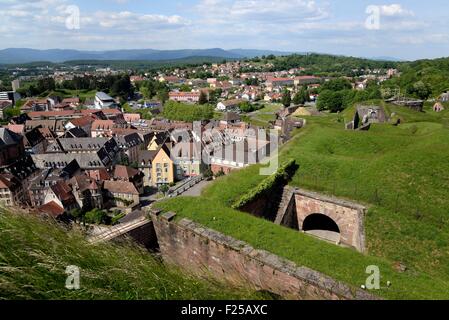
[(271, 107), (263, 116), (82, 94), (400, 173), (34, 255)]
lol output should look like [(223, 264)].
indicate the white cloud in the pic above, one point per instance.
[(277, 10), (266, 11), (303, 25), (126, 20), (395, 10), (48, 20)]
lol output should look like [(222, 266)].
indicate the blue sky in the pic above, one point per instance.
[(407, 29)]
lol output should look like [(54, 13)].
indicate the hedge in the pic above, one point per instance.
[(281, 177)]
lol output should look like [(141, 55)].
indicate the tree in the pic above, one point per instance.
[(301, 97), (203, 98), (330, 100), (337, 85), (252, 82), (185, 88), (215, 95), (45, 84), (146, 92), (164, 188), (220, 174), (96, 216), (246, 107), (11, 112), (420, 90), (286, 98), (122, 87), (162, 96), (208, 174), (77, 214)]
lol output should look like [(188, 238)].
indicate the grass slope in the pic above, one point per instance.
[(34, 256), (398, 172)]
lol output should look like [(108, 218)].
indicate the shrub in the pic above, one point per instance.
[(97, 216), (282, 176)]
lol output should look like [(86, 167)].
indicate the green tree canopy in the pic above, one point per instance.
[(337, 85), (96, 216), (203, 98), (301, 97), (420, 90), (331, 100), (286, 98)]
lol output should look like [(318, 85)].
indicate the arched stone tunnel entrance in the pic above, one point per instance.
[(321, 226), (328, 218)]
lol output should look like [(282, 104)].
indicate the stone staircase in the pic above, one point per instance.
[(287, 197)]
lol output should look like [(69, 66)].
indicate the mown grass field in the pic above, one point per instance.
[(401, 173), (262, 117), (34, 255), (66, 93)]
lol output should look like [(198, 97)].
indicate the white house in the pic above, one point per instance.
[(229, 105), (104, 101)]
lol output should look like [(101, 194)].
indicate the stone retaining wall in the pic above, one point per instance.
[(347, 215), (206, 252)]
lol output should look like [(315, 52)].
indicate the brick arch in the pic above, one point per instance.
[(318, 221), (348, 216)]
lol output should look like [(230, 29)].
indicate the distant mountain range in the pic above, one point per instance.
[(386, 58), (24, 55)]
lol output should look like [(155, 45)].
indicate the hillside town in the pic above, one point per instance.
[(70, 153), (218, 158)]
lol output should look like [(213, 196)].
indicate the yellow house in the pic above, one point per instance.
[(152, 146), (156, 141), (162, 171)]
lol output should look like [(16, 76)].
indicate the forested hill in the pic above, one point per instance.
[(325, 65), (422, 79), (423, 75)]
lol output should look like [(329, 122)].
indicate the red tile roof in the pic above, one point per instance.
[(62, 190), (120, 187), (111, 111), (184, 94), (306, 78), (64, 113), (52, 209), (102, 125), (8, 181), (17, 128), (130, 117), (83, 121), (99, 175), (124, 172), (46, 132)]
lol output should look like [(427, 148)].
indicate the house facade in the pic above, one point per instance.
[(162, 168), (121, 194), (11, 191), (192, 97)]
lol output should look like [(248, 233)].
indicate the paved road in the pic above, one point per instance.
[(195, 191)]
